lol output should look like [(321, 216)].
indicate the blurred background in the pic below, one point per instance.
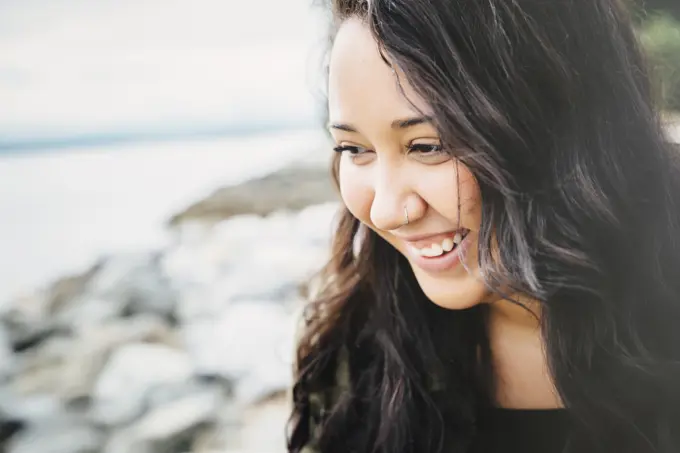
[(163, 196)]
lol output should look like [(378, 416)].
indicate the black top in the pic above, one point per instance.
[(522, 430)]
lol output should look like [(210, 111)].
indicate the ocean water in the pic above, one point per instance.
[(104, 104), (63, 210)]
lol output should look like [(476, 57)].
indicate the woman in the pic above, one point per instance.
[(506, 270)]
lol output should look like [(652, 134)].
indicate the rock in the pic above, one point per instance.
[(125, 441), (8, 428), (94, 345), (201, 260), (260, 429), (316, 224), (85, 311), (58, 435), (222, 436), (64, 290), (249, 344), (38, 370), (264, 425), (291, 188), (123, 285), (137, 282), (68, 367), (131, 372), (249, 257), (169, 351), (170, 422), (167, 393), (30, 409), (7, 358), (28, 322)]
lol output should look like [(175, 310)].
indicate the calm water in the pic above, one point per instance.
[(83, 72), (62, 210)]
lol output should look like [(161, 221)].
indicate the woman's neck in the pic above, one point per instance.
[(522, 377)]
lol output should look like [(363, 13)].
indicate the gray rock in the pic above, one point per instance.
[(249, 344), (166, 351), (94, 344), (222, 436), (264, 425), (170, 392), (131, 372), (38, 369), (175, 420), (30, 320), (136, 281), (200, 261), (125, 441), (27, 320), (68, 367), (7, 358), (291, 188), (32, 409), (247, 258), (168, 425), (58, 435), (85, 311)]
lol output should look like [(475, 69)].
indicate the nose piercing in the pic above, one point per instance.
[(406, 215)]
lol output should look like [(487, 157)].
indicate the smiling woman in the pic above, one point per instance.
[(393, 166), (494, 159)]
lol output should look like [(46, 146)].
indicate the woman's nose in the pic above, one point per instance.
[(390, 199)]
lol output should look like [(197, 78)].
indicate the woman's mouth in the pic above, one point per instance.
[(442, 247), (435, 255)]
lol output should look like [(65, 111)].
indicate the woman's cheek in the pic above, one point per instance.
[(453, 193), (356, 192)]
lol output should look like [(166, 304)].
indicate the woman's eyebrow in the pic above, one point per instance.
[(401, 123), (342, 127), (405, 123)]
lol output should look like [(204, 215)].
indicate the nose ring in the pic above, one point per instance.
[(406, 215)]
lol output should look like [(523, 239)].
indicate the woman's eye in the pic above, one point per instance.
[(357, 154), (423, 148), (429, 153), (353, 150)]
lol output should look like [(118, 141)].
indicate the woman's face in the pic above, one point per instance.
[(392, 170)]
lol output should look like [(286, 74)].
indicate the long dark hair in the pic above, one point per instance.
[(549, 104)]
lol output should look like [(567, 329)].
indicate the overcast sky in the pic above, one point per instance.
[(70, 67)]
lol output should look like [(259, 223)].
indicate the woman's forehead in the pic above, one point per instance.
[(362, 84)]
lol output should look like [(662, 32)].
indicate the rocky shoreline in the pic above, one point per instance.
[(291, 189), (185, 349)]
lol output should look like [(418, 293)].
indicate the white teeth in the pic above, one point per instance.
[(431, 251), (436, 249), (447, 244)]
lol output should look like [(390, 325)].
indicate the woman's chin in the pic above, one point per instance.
[(452, 293)]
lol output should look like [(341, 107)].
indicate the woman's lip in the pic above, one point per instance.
[(442, 263), (426, 241)]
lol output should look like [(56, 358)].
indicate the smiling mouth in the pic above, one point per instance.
[(442, 247)]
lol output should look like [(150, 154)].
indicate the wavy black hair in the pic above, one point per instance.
[(549, 104)]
